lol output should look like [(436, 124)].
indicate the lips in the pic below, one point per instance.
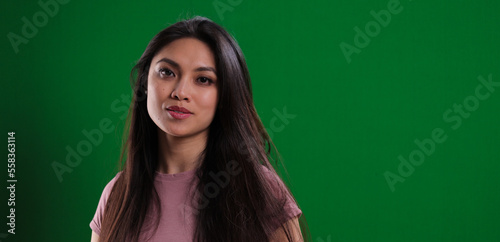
[(179, 112), (179, 109)]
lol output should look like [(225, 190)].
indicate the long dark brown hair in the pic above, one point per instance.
[(242, 210)]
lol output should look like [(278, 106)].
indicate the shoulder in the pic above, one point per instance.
[(272, 178), (290, 207), (107, 189), (268, 173), (281, 191), (95, 224)]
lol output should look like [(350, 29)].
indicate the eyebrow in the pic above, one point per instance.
[(176, 65)]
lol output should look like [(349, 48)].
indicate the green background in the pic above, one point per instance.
[(352, 120)]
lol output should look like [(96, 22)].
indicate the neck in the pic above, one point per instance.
[(179, 154)]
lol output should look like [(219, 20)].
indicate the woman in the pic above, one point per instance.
[(197, 155)]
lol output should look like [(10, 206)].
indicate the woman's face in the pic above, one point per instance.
[(182, 88)]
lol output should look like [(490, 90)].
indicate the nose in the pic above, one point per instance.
[(181, 90)]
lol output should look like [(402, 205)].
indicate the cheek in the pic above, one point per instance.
[(153, 103), (208, 100), (151, 106)]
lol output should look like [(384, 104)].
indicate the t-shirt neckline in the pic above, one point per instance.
[(175, 177)]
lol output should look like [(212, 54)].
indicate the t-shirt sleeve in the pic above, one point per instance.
[(95, 224), (292, 210)]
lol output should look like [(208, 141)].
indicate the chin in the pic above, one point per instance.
[(183, 130), (178, 132), (179, 135)]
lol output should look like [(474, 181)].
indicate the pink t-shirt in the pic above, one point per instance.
[(177, 219)]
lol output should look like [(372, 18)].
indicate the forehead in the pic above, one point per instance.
[(187, 52)]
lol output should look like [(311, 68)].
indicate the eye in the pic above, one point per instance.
[(205, 80), (166, 72)]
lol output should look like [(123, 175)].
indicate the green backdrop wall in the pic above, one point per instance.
[(392, 109)]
